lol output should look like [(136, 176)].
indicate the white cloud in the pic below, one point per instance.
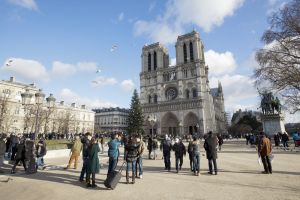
[(206, 14), (127, 85), (63, 69), (121, 16), (69, 96), (238, 90), (29, 70), (251, 62), (220, 63), (29, 4), (103, 81), (87, 66)]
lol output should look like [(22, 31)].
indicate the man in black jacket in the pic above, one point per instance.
[(20, 156), (179, 150), (210, 146), (166, 148), (85, 140)]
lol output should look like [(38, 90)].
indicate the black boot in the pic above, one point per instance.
[(127, 178)]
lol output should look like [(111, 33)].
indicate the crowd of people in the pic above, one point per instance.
[(19, 148)]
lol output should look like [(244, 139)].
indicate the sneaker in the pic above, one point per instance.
[(141, 176)]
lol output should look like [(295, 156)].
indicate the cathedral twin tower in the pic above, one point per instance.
[(179, 96)]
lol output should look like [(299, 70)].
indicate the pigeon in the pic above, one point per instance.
[(113, 48), (98, 71), (9, 62)]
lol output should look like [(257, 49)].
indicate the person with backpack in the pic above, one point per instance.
[(85, 140), (131, 155)]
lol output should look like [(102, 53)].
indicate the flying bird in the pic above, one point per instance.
[(113, 48), (96, 82), (9, 62), (98, 71)]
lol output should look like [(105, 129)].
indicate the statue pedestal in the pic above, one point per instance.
[(273, 123)]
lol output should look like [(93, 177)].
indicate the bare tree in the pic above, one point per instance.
[(279, 60)]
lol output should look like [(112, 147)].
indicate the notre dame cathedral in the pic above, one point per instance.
[(179, 96)]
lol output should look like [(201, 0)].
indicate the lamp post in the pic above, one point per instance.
[(180, 128), (152, 120), (26, 101), (50, 104)]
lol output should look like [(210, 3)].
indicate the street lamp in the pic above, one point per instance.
[(39, 98), (180, 128), (152, 120)]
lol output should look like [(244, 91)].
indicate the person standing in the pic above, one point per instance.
[(276, 139), (285, 139), (113, 152), (85, 141), (20, 156), (196, 156), (265, 151), (149, 147), (2, 151), (166, 147), (93, 165), (131, 154), (154, 147), (75, 152), (295, 138), (41, 151), (180, 151), (211, 152), (190, 152), (220, 141), (102, 144), (139, 162)]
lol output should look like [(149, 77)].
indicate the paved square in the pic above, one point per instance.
[(239, 178)]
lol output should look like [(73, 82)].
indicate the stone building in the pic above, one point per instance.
[(179, 96), (111, 119), (61, 118)]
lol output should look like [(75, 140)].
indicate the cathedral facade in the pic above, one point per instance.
[(179, 97)]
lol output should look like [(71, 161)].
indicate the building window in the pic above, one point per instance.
[(185, 73), (155, 98), (149, 99), (187, 94), (155, 60), (194, 93), (193, 72), (184, 53), (149, 62), (191, 52)]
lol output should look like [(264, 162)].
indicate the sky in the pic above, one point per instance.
[(89, 52)]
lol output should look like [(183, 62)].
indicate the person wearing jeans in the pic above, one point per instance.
[(113, 153), (131, 155), (85, 155), (196, 156), (139, 162)]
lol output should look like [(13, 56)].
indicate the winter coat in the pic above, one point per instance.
[(166, 146), (210, 145), (265, 147), (20, 151), (141, 148), (41, 149), (2, 147), (179, 149), (77, 147), (93, 162), (113, 148), (85, 146), (285, 137), (195, 147), (131, 151)]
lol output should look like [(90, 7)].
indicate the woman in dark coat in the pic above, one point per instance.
[(93, 166), (210, 146)]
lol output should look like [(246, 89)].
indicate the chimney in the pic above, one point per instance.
[(73, 105), (62, 103), (82, 106), (12, 79)]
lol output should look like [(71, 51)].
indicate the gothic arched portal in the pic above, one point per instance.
[(191, 123), (170, 124)]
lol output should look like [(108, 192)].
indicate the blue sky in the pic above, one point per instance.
[(60, 44)]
